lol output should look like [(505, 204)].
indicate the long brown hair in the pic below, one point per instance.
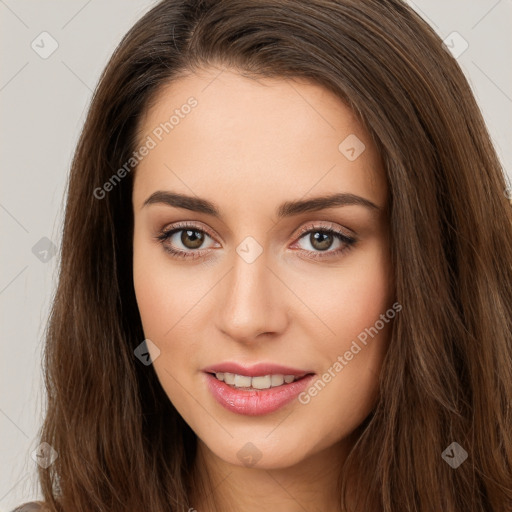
[(447, 376)]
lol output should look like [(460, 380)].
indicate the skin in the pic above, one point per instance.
[(248, 146)]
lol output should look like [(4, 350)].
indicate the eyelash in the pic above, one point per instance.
[(193, 254)]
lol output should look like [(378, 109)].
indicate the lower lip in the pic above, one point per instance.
[(257, 402)]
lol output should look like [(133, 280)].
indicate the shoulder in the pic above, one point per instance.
[(32, 506)]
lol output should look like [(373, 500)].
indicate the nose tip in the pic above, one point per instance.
[(250, 306)]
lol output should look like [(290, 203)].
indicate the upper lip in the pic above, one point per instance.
[(255, 369)]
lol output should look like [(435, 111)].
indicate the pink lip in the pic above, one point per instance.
[(255, 370), (258, 402)]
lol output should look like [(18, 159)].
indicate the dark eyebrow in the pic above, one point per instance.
[(287, 209), (290, 208)]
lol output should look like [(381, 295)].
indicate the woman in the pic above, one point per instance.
[(285, 274)]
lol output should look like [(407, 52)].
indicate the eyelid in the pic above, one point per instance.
[(182, 226), (319, 225), (168, 231), (304, 229)]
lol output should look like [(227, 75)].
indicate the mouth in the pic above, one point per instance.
[(258, 382), (256, 395)]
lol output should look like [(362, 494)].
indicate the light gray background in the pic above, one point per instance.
[(43, 105)]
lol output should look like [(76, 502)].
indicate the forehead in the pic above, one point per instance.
[(254, 141)]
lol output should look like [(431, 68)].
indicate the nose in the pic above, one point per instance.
[(251, 302)]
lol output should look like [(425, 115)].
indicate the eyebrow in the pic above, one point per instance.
[(286, 209)]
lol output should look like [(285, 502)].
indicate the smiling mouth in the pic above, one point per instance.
[(260, 382)]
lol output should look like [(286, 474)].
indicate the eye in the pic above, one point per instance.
[(319, 239), (184, 240)]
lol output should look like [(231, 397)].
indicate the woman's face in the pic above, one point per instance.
[(239, 170)]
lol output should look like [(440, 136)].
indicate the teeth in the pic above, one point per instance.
[(277, 380), (242, 382), (259, 382)]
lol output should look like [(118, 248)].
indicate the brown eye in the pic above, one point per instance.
[(192, 238), (184, 241), (321, 240)]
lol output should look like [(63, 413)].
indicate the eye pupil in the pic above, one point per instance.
[(321, 241), (189, 234)]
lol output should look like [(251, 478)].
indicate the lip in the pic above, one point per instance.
[(255, 370), (257, 402)]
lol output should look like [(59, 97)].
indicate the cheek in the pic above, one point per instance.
[(169, 299), (164, 293), (351, 304), (169, 302), (162, 300), (351, 297), (152, 291)]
